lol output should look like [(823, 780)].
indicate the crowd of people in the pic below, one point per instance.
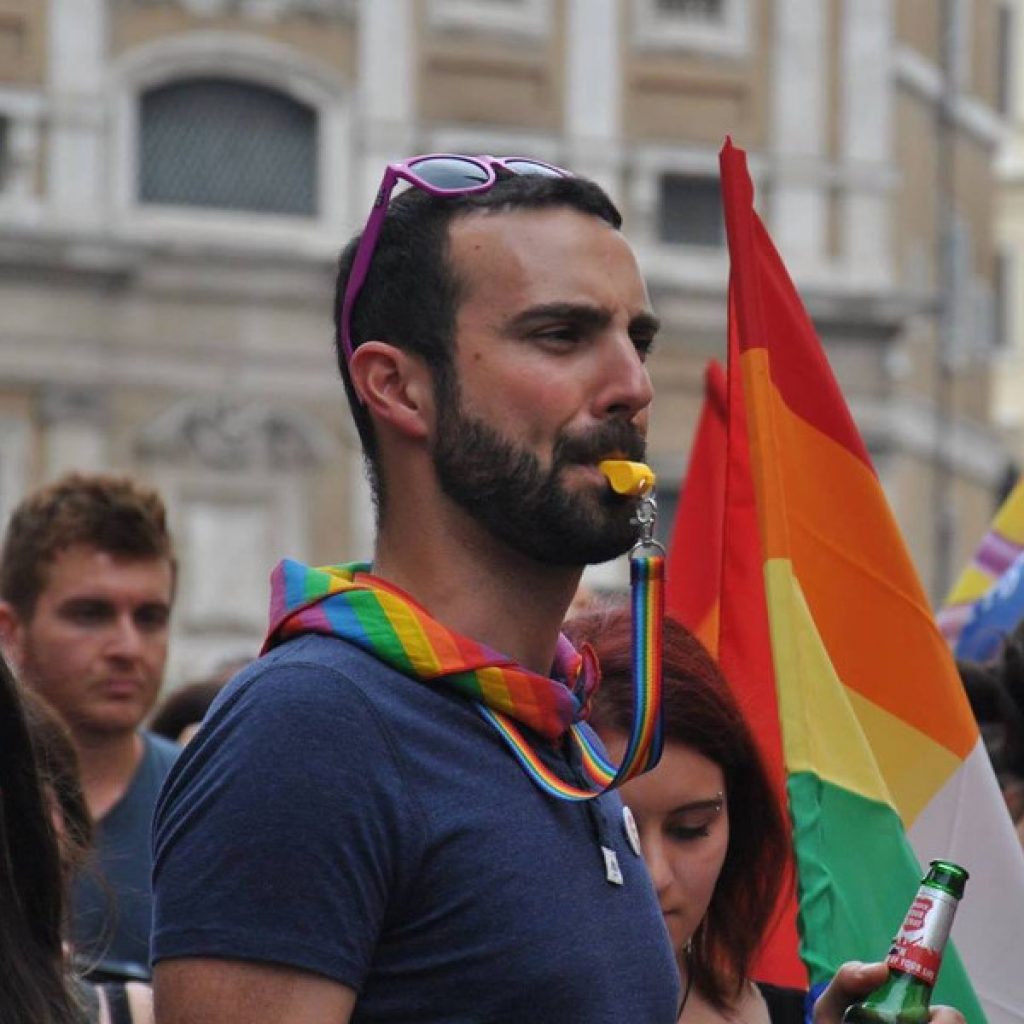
[(995, 690), (368, 825)]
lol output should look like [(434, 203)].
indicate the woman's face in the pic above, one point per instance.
[(683, 822)]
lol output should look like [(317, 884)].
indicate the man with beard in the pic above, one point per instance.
[(347, 836), (86, 581), (352, 835)]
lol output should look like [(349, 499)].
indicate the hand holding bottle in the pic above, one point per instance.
[(899, 990), (853, 981)]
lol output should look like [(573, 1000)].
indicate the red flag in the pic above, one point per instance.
[(695, 551), (715, 588), (745, 653)]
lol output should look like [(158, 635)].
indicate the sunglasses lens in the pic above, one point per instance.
[(450, 173), (520, 166)]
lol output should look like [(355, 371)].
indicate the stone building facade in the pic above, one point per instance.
[(177, 176), (1009, 376)]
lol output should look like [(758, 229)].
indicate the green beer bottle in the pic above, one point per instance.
[(916, 952)]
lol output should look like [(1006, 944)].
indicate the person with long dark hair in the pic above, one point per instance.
[(45, 836), (33, 984), (707, 819)]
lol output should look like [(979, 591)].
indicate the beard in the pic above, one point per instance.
[(506, 490)]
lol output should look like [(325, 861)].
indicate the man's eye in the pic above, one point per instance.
[(152, 618), (560, 334), (87, 614), (644, 346)]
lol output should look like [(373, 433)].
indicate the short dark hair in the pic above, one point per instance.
[(114, 514), (701, 713), (410, 296)]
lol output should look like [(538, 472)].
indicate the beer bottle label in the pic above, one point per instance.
[(917, 950)]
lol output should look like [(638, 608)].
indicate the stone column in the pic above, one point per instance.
[(75, 430), (799, 204), (593, 91), (76, 169), (865, 134), (386, 93)]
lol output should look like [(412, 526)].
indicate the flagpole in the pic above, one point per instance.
[(946, 305)]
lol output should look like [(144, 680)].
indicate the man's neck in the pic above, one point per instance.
[(482, 590), (108, 763)]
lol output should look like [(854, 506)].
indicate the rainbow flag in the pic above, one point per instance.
[(715, 550), (884, 767), (998, 550)]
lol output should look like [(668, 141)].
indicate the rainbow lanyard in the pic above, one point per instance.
[(347, 602), (647, 594)]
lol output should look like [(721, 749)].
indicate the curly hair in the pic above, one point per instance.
[(701, 713), (114, 514)]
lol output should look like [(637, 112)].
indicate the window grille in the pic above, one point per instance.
[(5, 153), (1006, 63), (710, 10), (690, 210), (227, 144)]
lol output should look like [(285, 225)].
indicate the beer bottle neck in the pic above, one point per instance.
[(901, 994)]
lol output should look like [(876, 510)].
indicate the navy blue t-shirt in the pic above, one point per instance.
[(336, 816), (111, 896)]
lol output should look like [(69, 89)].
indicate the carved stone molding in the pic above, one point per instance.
[(60, 403), (267, 10), (228, 435)]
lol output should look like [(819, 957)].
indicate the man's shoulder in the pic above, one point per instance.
[(318, 669), (312, 649), (315, 686), (306, 685), (161, 751)]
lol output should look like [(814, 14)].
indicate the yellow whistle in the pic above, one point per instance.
[(633, 478)]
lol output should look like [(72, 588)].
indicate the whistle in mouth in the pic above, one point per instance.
[(630, 478)]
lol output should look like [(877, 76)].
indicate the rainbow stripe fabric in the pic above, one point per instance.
[(1001, 546), (347, 601), (882, 761)]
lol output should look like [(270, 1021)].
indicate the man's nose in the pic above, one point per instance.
[(126, 638), (626, 389)]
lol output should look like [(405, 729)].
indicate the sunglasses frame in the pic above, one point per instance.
[(405, 170)]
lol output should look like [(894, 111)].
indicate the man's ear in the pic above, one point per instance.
[(395, 386), (12, 634)]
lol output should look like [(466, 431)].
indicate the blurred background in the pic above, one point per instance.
[(178, 176)]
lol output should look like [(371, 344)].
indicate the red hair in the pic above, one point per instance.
[(701, 713)]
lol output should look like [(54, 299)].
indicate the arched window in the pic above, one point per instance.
[(228, 144)]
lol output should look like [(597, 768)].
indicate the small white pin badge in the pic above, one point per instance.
[(612, 871), (629, 824)]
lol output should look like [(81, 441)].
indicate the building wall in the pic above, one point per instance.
[(947, 131), (192, 345), (1009, 380)]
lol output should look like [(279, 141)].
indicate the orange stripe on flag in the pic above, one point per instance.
[(745, 652), (823, 509)]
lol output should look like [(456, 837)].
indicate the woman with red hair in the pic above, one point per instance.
[(706, 819)]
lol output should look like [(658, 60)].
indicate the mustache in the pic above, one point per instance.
[(614, 437)]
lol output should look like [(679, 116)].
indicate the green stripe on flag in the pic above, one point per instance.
[(858, 875)]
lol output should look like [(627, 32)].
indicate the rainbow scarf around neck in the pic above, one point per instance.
[(347, 601)]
